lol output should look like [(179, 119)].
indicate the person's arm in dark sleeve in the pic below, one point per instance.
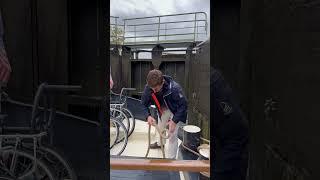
[(230, 126), (233, 136), (180, 99), (146, 102)]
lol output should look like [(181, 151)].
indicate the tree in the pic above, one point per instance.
[(116, 35)]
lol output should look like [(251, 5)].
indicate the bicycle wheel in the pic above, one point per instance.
[(17, 164), (122, 117), (122, 133), (132, 120), (58, 163), (114, 133)]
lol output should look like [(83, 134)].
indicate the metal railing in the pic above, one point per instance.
[(174, 28)]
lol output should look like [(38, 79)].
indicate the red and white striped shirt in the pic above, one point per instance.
[(5, 68), (111, 82)]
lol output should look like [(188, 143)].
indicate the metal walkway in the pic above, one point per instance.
[(167, 30)]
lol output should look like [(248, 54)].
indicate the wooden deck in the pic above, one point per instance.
[(137, 148), (133, 165)]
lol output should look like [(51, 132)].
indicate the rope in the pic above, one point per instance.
[(161, 133), (206, 140), (190, 150), (162, 136)]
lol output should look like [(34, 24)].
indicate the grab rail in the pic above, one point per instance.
[(160, 165)]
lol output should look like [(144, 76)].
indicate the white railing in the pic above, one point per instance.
[(174, 28)]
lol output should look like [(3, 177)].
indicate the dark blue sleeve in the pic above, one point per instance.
[(181, 101), (230, 127), (146, 102)]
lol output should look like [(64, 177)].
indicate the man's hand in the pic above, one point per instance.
[(151, 120), (172, 126)]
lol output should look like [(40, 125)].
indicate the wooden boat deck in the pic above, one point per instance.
[(137, 148), (142, 174)]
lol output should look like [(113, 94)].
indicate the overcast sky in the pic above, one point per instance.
[(138, 8), (142, 8)]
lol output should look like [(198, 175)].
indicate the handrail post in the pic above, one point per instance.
[(206, 23), (195, 24), (124, 31), (135, 35), (158, 29), (197, 29), (165, 31), (116, 29)]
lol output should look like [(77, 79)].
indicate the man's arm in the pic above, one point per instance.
[(146, 102), (229, 126), (180, 99)]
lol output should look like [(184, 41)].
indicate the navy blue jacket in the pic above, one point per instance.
[(173, 97), (230, 130)]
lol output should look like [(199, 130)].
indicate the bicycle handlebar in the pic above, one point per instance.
[(129, 89), (126, 89)]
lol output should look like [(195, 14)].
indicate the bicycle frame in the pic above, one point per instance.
[(17, 142)]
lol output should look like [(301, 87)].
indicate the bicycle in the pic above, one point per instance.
[(25, 152), (119, 102), (117, 129)]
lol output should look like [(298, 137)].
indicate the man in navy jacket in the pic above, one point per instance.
[(171, 98), (230, 132)]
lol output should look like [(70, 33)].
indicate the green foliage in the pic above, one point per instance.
[(116, 35)]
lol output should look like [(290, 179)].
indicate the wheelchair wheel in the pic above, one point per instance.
[(17, 164), (117, 131)]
